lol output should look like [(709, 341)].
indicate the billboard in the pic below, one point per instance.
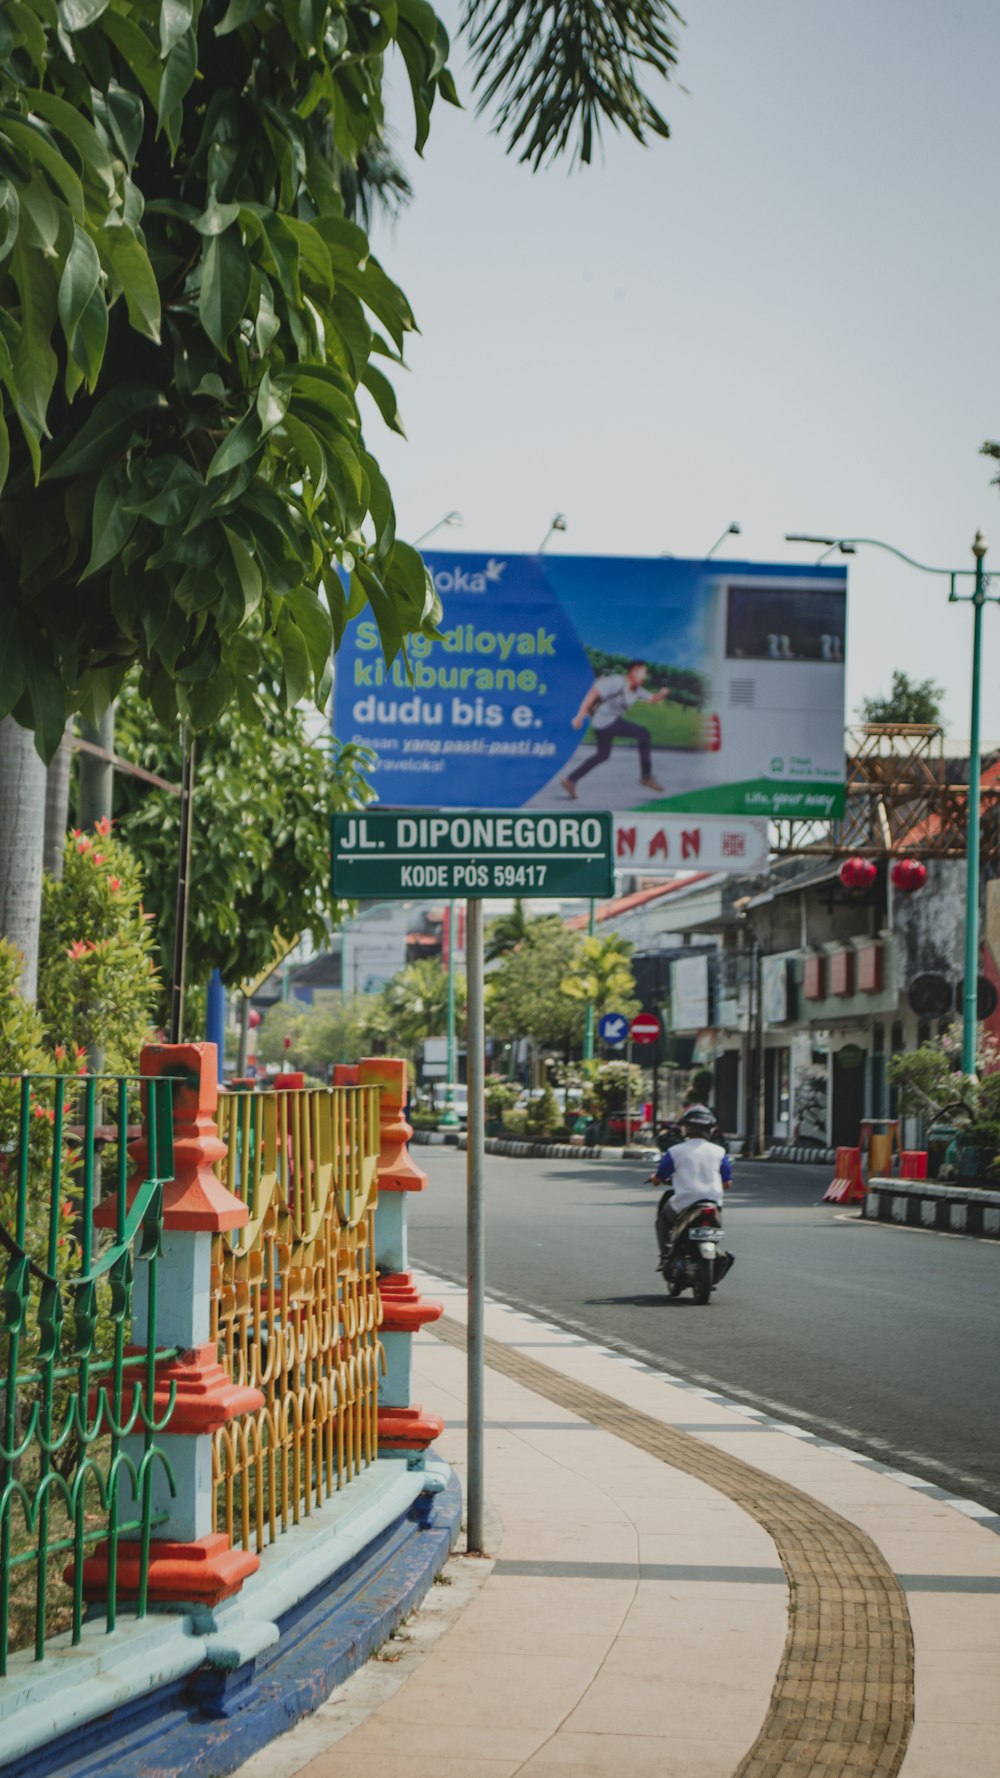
[(600, 682)]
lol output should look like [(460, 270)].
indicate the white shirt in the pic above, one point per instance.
[(614, 695), (696, 1171)]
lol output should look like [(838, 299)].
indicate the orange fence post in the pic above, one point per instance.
[(189, 1559), (403, 1427)]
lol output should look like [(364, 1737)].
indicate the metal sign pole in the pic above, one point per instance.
[(476, 1232)]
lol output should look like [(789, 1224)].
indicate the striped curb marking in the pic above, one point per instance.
[(843, 1697)]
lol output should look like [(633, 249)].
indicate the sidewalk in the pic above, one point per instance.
[(680, 1588)]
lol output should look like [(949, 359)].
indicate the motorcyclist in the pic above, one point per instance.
[(693, 1170)]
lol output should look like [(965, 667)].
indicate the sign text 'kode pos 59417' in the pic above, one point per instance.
[(388, 856)]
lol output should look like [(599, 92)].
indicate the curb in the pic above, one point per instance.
[(207, 1725), (789, 1151), (561, 1151), (922, 1204)]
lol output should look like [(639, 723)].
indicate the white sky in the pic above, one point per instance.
[(787, 315)]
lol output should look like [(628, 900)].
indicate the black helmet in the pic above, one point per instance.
[(698, 1119)]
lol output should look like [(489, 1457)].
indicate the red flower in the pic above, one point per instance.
[(60, 1051), (103, 826), (98, 857), (79, 948), (114, 884), (83, 844)]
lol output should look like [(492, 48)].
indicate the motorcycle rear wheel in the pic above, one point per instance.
[(705, 1279)]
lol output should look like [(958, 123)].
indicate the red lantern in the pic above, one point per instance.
[(253, 1018), (287, 1043), (908, 874), (858, 873)]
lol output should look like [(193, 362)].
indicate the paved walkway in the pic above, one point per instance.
[(679, 1587)]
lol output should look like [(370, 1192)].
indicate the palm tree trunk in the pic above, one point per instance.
[(22, 826), (57, 807)]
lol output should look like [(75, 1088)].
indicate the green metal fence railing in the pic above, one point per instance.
[(78, 1430)]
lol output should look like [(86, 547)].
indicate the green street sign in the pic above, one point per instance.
[(389, 856)]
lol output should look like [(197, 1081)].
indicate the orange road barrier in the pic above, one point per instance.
[(847, 1186)]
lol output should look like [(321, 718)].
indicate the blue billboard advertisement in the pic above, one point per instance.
[(622, 683)]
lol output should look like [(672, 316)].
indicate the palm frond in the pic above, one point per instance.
[(554, 71)]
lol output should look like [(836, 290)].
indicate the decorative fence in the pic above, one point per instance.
[(79, 1428), (190, 1364), (295, 1303)]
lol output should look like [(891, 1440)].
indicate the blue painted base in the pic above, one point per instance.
[(208, 1724)]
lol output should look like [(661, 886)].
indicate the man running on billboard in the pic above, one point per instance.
[(605, 704)]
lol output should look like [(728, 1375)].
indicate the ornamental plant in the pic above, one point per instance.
[(97, 979)]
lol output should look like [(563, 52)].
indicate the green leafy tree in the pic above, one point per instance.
[(97, 979), (506, 932), (412, 1006), (187, 314), (335, 1031), (909, 700), (524, 997), (260, 855), (601, 975)]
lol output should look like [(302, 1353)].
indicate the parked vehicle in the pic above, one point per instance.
[(460, 1100)]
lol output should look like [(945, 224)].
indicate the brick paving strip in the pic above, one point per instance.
[(843, 1698)]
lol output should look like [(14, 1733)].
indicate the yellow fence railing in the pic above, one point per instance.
[(295, 1303)]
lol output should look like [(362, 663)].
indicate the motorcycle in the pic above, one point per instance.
[(694, 1260)]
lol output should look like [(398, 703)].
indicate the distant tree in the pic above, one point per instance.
[(910, 700), (524, 994), (334, 1032), (601, 975), (412, 1006), (260, 854), (506, 932)]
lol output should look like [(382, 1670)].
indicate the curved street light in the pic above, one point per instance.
[(977, 599), (450, 518)]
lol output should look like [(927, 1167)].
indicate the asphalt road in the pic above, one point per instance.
[(882, 1338)]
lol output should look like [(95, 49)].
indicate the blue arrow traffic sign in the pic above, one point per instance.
[(613, 1027)]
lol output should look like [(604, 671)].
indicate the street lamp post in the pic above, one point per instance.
[(450, 1119), (977, 598)]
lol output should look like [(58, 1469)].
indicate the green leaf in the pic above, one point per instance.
[(384, 611), (112, 524), (179, 71), (76, 15), (31, 140), (272, 404), (238, 12), (105, 431), (384, 394), (216, 217), (225, 287), (35, 365), (66, 120), (294, 659), (80, 279), (13, 657), (125, 119), (128, 259), (315, 625), (176, 17), (237, 446), (89, 345), (138, 52), (247, 572), (4, 451), (48, 704), (39, 213)]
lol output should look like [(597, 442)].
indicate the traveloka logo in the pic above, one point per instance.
[(461, 580)]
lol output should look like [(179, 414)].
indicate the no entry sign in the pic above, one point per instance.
[(645, 1028), (386, 856)]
